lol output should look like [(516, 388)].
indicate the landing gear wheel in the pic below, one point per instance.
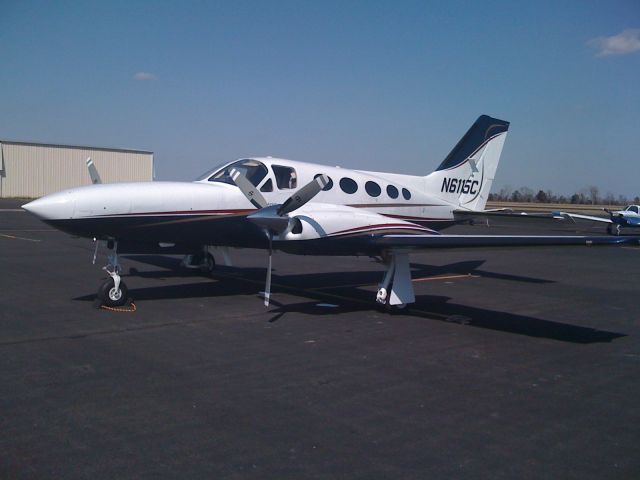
[(203, 262), (208, 264), (383, 299), (112, 297)]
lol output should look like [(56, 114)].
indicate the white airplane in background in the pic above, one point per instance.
[(300, 208), (629, 217)]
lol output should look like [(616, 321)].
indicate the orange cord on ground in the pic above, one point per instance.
[(129, 309)]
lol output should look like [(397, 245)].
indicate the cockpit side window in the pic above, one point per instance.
[(286, 177), (267, 186), (633, 208), (252, 169)]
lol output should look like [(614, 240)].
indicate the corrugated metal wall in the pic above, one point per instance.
[(33, 170)]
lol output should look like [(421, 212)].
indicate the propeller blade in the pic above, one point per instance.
[(303, 195), (248, 189), (267, 287)]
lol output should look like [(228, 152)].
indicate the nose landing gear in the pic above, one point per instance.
[(113, 292)]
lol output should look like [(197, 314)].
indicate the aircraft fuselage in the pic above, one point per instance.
[(213, 212)]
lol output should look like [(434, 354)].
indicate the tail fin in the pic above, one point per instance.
[(464, 178), (93, 172)]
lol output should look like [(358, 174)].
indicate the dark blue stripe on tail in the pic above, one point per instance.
[(484, 128)]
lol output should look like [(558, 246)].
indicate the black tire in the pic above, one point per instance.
[(111, 298), (208, 264)]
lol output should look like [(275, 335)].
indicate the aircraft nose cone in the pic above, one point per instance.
[(56, 206)]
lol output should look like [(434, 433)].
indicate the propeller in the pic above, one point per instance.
[(273, 218), (250, 191), (267, 286), (613, 215), (303, 195)]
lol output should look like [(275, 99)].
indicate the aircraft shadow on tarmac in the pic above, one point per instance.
[(339, 292), (439, 308), (173, 270)]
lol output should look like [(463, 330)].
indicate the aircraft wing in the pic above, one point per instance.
[(574, 216), (476, 241)]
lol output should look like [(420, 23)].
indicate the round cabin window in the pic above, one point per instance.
[(348, 185), (372, 189)]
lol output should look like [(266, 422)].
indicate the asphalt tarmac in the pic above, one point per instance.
[(517, 363)]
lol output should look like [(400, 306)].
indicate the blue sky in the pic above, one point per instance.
[(379, 85)]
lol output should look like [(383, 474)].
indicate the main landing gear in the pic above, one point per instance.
[(113, 292), (202, 261), (614, 229), (396, 289)]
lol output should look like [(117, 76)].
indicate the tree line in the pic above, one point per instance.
[(587, 196)]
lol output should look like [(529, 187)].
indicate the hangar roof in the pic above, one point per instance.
[(80, 147)]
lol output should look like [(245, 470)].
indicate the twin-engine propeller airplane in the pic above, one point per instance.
[(629, 217), (258, 203)]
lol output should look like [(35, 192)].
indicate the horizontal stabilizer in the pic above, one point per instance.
[(508, 218)]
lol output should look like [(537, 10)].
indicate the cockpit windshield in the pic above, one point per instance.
[(632, 208), (210, 172), (252, 169)]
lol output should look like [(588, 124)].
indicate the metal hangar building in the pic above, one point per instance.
[(31, 170)]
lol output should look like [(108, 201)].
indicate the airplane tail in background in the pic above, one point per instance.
[(464, 178)]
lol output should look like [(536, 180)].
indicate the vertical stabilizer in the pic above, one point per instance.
[(464, 178), (93, 171)]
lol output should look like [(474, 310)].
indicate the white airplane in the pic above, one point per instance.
[(258, 203), (629, 217)]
